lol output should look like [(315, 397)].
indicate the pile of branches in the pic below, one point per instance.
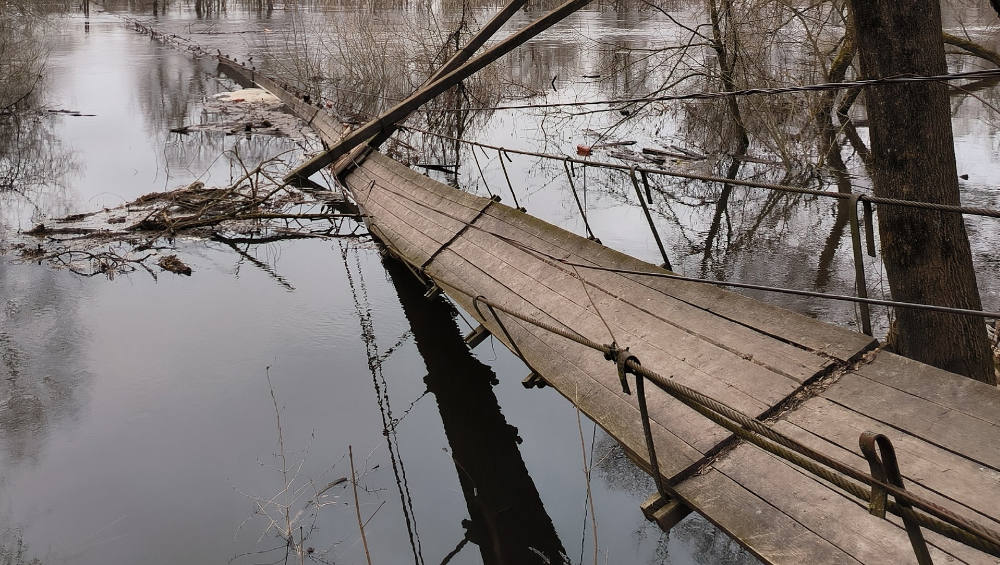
[(257, 208)]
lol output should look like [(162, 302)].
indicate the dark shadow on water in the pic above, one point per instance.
[(508, 521)]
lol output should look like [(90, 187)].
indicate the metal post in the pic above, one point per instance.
[(649, 219), (859, 265)]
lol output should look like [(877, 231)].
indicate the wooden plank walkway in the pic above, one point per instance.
[(751, 355)]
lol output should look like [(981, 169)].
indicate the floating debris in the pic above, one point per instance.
[(256, 208), (173, 264)]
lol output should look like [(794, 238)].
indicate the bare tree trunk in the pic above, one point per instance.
[(926, 254)]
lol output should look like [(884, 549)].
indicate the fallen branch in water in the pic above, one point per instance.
[(256, 208)]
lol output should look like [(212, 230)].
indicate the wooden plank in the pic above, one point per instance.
[(562, 366), (789, 326), (783, 358), (939, 425), (441, 226), (820, 508), (665, 410), (410, 231), (724, 375), (941, 387), (942, 474), (957, 549), (765, 531), (413, 186)]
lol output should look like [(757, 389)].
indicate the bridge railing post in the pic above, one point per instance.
[(860, 280)]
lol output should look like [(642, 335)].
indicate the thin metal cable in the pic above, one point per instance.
[(667, 275), (864, 83), (592, 303), (972, 210)]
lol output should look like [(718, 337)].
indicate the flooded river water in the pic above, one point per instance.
[(138, 416)]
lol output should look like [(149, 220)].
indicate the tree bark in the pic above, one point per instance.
[(926, 254)]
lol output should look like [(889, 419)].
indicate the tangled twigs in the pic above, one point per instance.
[(256, 208)]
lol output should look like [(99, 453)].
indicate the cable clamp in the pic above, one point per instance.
[(621, 357)]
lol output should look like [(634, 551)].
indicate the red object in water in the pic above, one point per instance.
[(583, 150), (239, 99)]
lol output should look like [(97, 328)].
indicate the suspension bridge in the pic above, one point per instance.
[(801, 440), (772, 425)]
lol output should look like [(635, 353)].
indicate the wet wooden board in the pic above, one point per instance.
[(768, 532), (945, 389), (498, 257)]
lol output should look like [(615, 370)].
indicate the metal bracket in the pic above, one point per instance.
[(476, 336), (666, 512), (621, 358), (885, 469), (534, 380), (432, 290)]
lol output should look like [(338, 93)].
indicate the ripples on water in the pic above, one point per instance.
[(136, 416)]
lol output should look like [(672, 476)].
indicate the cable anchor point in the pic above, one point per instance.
[(621, 358)]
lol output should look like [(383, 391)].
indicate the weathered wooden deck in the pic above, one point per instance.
[(753, 356)]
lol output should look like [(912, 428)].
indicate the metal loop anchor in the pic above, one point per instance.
[(881, 457), (621, 358)]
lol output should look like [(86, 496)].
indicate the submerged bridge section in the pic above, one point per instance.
[(550, 296)]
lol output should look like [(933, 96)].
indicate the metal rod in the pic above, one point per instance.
[(503, 328), (583, 214), (885, 469), (860, 280), (645, 182), (481, 175), (649, 220), (506, 176), (640, 393)]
